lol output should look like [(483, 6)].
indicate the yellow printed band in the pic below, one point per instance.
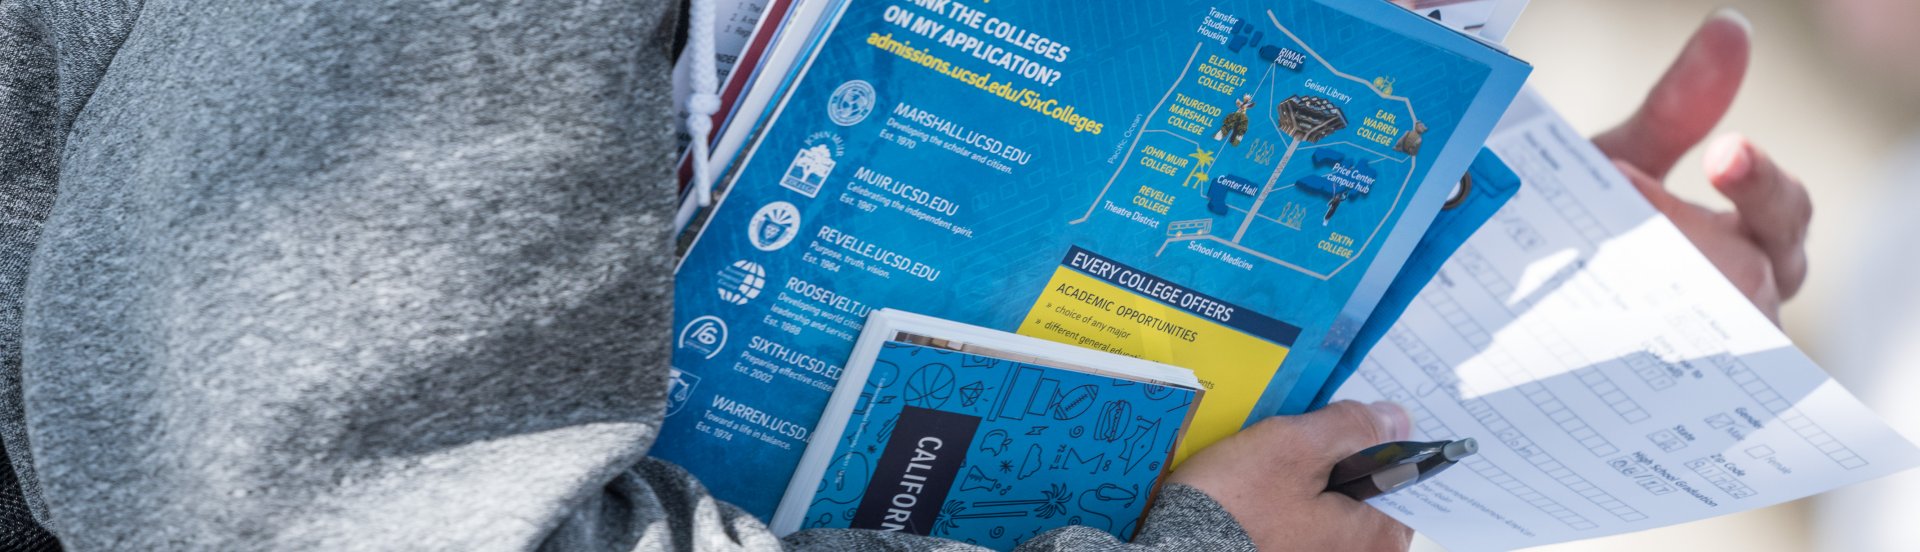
[(1100, 304)]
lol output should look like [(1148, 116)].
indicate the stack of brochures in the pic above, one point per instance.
[(1127, 232), (1225, 187)]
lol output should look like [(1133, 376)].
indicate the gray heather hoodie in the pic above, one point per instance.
[(358, 275)]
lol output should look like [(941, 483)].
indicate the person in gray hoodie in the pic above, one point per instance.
[(348, 275)]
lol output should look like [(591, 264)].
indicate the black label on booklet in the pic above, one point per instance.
[(916, 471)]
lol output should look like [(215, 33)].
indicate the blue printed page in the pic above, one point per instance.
[(1487, 187), (1227, 187), (993, 452)]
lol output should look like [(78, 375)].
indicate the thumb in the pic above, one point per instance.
[(1346, 427), (1689, 100)]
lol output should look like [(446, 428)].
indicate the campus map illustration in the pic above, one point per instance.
[(1268, 153)]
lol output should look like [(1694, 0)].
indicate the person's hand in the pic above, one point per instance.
[(1271, 476), (1760, 245)]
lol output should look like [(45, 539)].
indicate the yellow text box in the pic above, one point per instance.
[(1233, 366)]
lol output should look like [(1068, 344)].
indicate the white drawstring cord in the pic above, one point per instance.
[(702, 103)]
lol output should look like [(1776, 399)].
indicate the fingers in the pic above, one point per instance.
[(1773, 206), (1272, 476), (1655, 192), (1345, 427), (1692, 219), (1311, 443), (1689, 100), (1720, 237)]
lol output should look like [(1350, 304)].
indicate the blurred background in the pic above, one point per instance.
[(1835, 119), (1831, 95)]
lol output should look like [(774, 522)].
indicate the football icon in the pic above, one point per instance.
[(1073, 402)]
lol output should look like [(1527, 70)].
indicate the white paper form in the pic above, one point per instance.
[(1615, 381)]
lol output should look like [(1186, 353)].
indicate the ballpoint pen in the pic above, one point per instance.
[(1389, 467)]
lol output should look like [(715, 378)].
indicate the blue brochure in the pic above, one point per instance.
[(1487, 187), (998, 467), (1224, 186)]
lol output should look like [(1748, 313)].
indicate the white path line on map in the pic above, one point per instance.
[(1329, 66), (1135, 147)]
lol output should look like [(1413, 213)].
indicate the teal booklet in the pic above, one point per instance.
[(987, 437), (1228, 187)]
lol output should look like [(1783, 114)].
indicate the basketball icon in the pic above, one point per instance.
[(930, 386)]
